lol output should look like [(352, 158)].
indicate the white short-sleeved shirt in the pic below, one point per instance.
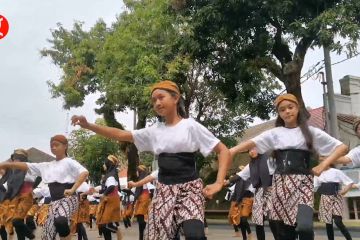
[(42, 190), (245, 173), (186, 136), (292, 138), (111, 181), (90, 198), (150, 186), (332, 175), (66, 170), (251, 188), (29, 177), (354, 156), (84, 187)]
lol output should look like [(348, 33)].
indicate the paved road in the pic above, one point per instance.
[(216, 232)]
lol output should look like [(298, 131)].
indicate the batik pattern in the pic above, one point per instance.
[(172, 205), (330, 205), (288, 191)]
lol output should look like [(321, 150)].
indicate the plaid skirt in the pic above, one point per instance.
[(172, 205), (288, 191), (261, 206), (330, 206)]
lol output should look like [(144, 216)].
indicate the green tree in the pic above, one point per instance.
[(120, 62), (246, 43), (92, 150)]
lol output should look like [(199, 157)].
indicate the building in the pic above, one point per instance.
[(36, 156), (348, 108)]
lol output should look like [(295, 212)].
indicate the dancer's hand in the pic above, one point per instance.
[(131, 184), (317, 170), (211, 189), (79, 120)]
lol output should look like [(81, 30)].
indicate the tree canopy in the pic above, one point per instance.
[(227, 56), (249, 42)]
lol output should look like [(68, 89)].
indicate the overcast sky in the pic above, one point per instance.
[(29, 116)]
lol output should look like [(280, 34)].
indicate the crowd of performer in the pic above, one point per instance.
[(277, 185)]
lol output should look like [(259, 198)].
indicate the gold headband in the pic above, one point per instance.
[(288, 96), (113, 159), (167, 85)]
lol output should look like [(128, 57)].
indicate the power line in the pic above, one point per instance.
[(318, 70)]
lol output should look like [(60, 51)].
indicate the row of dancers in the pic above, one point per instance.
[(251, 192), (179, 200)]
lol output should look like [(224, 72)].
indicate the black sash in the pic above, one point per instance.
[(3, 180), (175, 168), (240, 191), (259, 172), (14, 183), (329, 188), (292, 161), (57, 190)]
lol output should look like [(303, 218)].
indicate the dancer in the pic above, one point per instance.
[(63, 176), (128, 206), (3, 188), (294, 142), (81, 216), (262, 167), (353, 156), (241, 201), (93, 209), (19, 197), (142, 200), (108, 215), (179, 199), (328, 184), (42, 194)]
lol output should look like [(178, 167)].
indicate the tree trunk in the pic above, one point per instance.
[(133, 161), (293, 86), (132, 151)]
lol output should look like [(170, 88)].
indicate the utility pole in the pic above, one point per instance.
[(333, 124), (323, 82)]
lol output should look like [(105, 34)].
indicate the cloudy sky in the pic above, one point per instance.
[(29, 116)]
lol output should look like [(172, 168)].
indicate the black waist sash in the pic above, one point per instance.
[(57, 190), (329, 188), (14, 183), (292, 161), (175, 168), (259, 172)]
